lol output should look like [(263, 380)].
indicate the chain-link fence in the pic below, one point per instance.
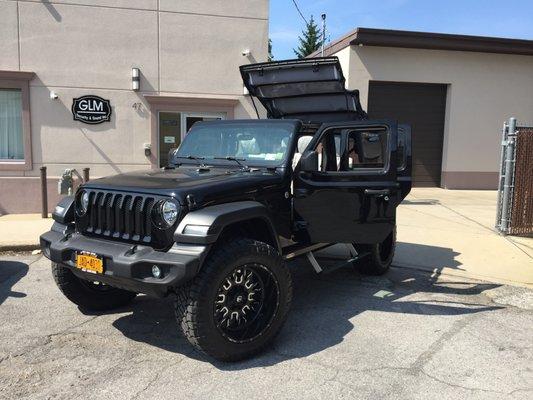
[(515, 191)]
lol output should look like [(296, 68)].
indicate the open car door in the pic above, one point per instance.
[(404, 159), (311, 90), (345, 185)]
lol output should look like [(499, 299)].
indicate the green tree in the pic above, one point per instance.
[(310, 39), (270, 55)]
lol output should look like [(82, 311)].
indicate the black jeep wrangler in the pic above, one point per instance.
[(238, 198)]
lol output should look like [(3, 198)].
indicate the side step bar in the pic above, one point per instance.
[(295, 251), (308, 251)]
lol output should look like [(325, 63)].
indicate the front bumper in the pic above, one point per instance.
[(124, 268)]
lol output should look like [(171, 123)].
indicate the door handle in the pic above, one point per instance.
[(381, 192)]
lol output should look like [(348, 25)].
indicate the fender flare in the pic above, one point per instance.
[(216, 218), (64, 211)]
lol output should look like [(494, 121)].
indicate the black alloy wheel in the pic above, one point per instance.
[(246, 302), (238, 301)]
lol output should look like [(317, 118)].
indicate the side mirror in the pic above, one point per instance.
[(309, 161), (171, 154)]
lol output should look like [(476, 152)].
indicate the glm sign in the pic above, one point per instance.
[(91, 109)]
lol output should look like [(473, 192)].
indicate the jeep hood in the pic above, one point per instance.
[(205, 185), (311, 90)]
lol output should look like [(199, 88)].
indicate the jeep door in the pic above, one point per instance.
[(404, 159), (352, 194)]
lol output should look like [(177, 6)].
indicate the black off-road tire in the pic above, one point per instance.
[(380, 256), (195, 303), (87, 295)]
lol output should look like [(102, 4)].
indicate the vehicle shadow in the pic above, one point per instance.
[(10, 273), (322, 310), (430, 258)]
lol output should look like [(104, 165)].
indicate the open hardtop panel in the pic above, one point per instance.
[(311, 90)]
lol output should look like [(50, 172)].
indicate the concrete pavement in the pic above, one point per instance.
[(407, 335), (22, 231), (451, 232)]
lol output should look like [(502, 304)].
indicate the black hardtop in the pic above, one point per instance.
[(311, 90)]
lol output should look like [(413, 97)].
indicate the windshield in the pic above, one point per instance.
[(259, 144)]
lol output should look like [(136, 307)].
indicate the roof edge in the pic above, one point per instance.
[(429, 41)]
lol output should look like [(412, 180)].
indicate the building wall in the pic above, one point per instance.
[(484, 90), (188, 49)]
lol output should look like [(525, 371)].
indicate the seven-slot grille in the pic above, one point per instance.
[(119, 215)]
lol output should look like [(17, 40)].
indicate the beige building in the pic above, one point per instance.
[(455, 90), (186, 53)]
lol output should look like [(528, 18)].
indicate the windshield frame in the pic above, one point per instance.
[(250, 162)]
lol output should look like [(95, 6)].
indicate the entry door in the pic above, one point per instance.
[(353, 194), (173, 126)]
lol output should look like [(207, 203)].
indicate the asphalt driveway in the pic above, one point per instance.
[(410, 334)]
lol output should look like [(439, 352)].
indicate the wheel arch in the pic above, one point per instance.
[(257, 228), (248, 218)]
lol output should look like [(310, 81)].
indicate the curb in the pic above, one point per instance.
[(19, 247)]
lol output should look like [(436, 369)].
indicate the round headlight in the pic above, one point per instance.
[(84, 202), (169, 212)]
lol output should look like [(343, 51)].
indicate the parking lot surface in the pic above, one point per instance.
[(409, 334)]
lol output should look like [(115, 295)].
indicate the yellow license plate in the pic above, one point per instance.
[(90, 262)]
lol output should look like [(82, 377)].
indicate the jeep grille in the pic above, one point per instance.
[(121, 216)]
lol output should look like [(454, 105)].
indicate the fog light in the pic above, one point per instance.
[(156, 272)]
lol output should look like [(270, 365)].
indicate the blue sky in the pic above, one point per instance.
[(510, 18)]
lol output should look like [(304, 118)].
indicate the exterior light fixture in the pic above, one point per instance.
[(135, 79)]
